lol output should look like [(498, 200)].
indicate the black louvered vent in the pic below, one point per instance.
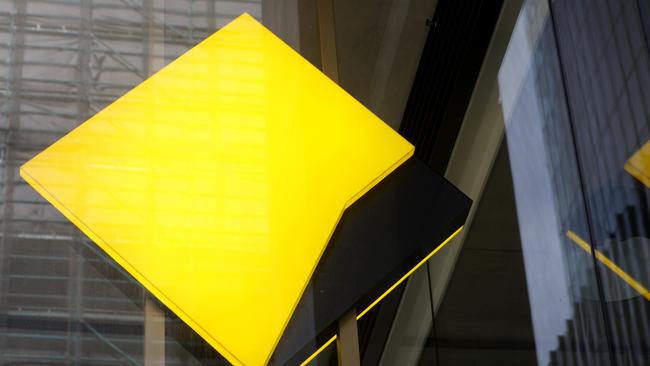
[(458, 39)]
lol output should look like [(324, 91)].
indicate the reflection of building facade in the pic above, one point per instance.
[(588, 120), (61, 302), (608, 94)]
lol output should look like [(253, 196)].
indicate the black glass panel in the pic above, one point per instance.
[(379, 239)]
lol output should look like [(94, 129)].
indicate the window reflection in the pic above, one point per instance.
[(548, 195), (61, 300), (574, 91)]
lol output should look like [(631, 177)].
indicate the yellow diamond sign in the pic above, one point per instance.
[(218, 181)]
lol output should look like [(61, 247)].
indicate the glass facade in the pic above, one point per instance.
[(553, 267), (62, 300)]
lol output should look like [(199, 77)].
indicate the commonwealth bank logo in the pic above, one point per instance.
[(219, 182)]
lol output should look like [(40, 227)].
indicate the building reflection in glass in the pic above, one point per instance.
[(61, 301), (575, 90)]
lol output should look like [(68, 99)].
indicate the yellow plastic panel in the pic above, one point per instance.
[(218, 181), (638, 165)]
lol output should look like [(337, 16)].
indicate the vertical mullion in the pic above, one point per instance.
[(581, 179)]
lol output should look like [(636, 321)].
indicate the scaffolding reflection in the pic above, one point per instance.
[(61, 61)]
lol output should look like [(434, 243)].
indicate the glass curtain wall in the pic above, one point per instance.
[(555, 267), (62, 302)]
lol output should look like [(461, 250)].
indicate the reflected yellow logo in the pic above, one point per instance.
[(218, 181), (638, 165)]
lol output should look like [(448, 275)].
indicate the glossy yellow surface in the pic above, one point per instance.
[(218, 181), (638, 165)]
